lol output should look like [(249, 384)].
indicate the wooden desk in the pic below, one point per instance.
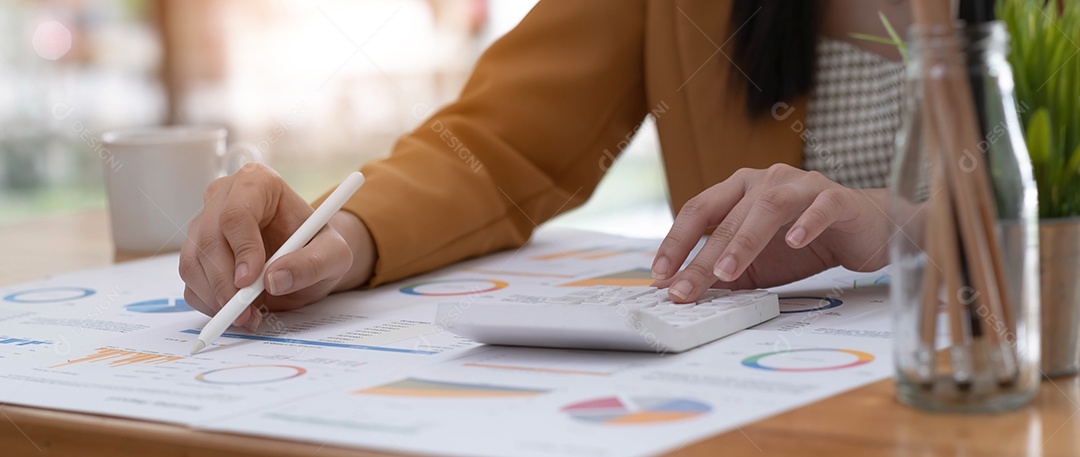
[(863, 422)]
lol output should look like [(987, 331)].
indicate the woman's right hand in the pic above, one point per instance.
[(246, 217)]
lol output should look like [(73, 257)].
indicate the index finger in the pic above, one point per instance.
[(706, 210), (250, 205)]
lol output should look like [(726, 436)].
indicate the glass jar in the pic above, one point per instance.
[(965, 260)]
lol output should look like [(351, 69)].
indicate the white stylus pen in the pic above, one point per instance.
[(243, 298)]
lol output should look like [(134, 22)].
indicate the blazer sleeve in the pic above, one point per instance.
[(533, 131)]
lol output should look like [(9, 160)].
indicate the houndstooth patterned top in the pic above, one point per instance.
[(853, 115)]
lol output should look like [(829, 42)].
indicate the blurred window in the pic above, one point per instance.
[(320, 87)]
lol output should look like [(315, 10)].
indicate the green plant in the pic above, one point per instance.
[(1045, 57), (893, 38)]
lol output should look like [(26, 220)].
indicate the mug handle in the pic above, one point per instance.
[(238, 155)]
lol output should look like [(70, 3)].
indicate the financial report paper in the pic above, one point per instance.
[(372, 369)]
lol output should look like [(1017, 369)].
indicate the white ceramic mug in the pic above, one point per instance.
[(155, 180)]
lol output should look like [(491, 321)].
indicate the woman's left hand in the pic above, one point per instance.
[(772, 227)]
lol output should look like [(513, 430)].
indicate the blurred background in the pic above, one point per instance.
[(320, 86)]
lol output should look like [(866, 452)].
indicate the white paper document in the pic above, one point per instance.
[(371, 369)]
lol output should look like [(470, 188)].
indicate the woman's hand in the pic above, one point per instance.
[(246, 217), (772, 227)]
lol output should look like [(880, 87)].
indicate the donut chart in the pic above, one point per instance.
[(793, 305), (807, 360), (452, 287), (50, 295), (251, 374), (636, 410)]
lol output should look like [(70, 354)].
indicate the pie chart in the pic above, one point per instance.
[(810, 359), (49, 295), (160, 305), (792, 305), (636, 410), (251, 374), (452, 287)]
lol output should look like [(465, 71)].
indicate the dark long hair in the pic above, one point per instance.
[(775, 47)]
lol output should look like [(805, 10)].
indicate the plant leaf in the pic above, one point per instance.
[(871, 38), (900, 44), (1038, 137), (1072, 168)]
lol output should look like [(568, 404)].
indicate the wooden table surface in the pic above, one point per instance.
[(862, 422)]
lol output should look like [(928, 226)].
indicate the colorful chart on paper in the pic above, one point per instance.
[(636, 410)]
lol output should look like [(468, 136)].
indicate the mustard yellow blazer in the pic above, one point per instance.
[(546, 110)]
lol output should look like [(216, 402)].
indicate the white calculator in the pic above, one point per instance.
[(608, 317)]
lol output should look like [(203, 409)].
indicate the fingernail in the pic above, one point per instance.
[(256, 321), (797, 236), (725, 270), (681, 289), (280, 281), (243, 319), (660, 268), (241, 271)]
